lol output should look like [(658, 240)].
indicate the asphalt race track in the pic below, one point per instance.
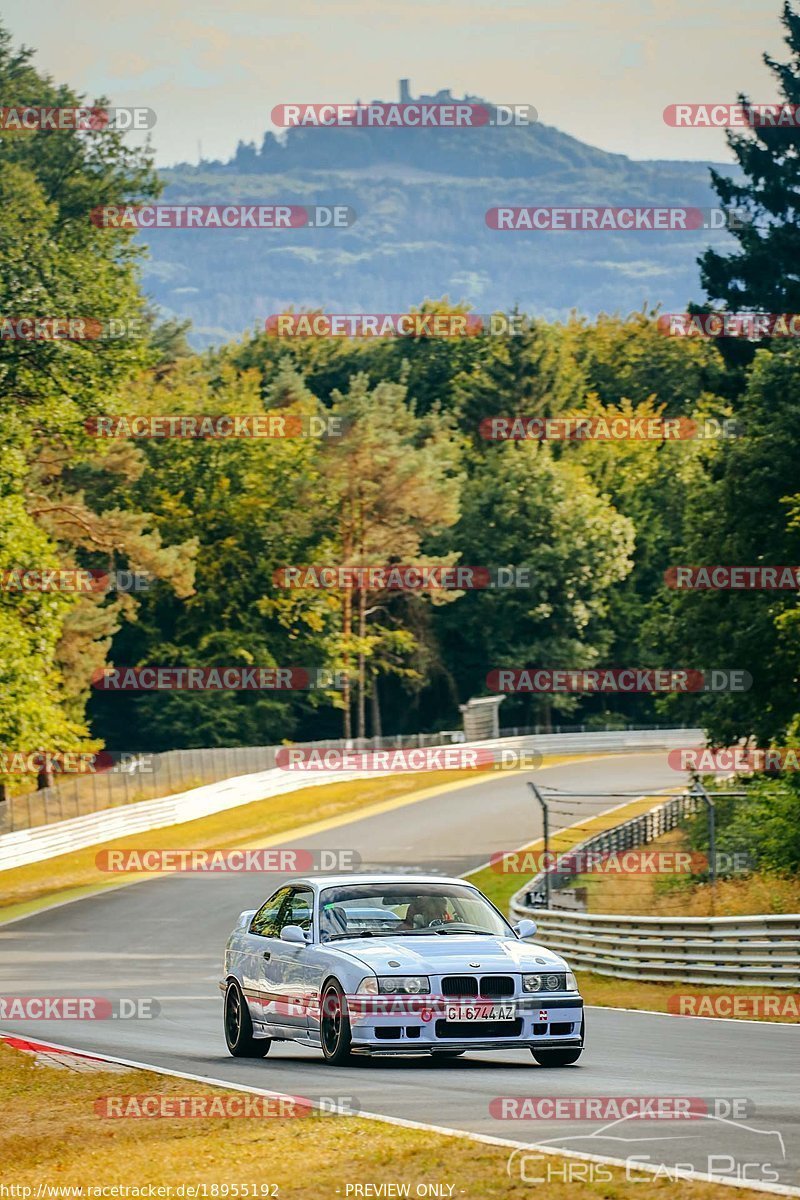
[(164, 939)]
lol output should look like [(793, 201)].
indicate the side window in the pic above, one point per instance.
[(265, 922), (298, 910)]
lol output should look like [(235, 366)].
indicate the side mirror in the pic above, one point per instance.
[(293, 933), (525, 928)]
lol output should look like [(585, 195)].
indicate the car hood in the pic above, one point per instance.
[(448, 953)]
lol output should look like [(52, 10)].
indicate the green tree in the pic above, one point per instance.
[(248, 507), (761, 275), (395, 482), (521, 508), (54, 263), (743, 511)]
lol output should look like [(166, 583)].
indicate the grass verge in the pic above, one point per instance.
[(52, 1136), (610, 992), (680, 895)]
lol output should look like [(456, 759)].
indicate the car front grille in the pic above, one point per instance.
[(488, 986), (459, 985), (497, 985)]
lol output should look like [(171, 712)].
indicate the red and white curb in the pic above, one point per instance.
[(45, 1054)]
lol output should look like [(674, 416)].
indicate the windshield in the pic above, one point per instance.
[(406, 910)]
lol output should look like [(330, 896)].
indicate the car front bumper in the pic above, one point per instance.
[(417, 1027)]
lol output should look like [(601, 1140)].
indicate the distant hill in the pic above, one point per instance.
[(421, 198)]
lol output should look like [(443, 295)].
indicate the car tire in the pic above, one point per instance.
[(334, 1026), (239, 1027)]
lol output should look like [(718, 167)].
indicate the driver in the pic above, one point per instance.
[(431, 909)]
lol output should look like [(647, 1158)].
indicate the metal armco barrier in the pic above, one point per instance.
[(139, 777), (762, 951), (636, 831), (47, 841), (153, 776)]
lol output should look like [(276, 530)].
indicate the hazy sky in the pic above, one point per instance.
[(601, 71)]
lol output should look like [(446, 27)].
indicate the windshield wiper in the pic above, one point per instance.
[(362, 933), (469, 929)]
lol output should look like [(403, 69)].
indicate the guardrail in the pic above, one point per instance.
[(636, 831), (138, 777), (761, 951), (47, 841)]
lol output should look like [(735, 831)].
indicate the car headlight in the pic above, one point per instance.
[(549, 983), (403, 985), (368, 986)]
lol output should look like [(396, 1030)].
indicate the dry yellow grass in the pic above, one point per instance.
[(51, 1135), (660, 895), (610, 992)]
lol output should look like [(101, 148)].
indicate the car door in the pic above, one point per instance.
[(259, 969), (319, 962), (289, 959)]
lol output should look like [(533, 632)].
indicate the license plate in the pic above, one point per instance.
[(480, 1012)]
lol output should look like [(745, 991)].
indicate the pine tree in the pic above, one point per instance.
[(763, 274)]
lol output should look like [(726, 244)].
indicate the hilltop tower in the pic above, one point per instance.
[(405, 91)]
